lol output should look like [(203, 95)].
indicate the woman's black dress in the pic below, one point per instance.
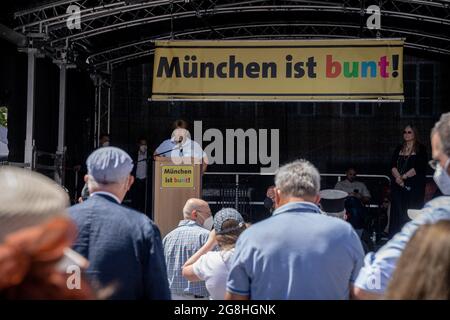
[(412, 195)]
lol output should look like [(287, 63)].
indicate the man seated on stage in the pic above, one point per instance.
[(180, 145), (358, 197)]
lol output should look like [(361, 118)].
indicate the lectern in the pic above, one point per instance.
[(174, 182)]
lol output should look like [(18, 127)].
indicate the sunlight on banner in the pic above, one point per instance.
[(279, 70)]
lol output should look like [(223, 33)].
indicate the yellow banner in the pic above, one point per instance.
[(278, 70), (177, 176)]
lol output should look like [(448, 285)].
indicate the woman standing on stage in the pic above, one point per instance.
[(409, 163)]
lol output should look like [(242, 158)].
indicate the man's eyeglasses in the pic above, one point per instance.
[(433, 164), (407, 132)]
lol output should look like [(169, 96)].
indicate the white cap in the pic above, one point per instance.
[(27, 199), (414, 213)]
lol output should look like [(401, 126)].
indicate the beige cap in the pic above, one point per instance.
[(27, 199)]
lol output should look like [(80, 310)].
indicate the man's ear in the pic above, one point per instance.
[(130, 181), (277, 197), (86, 178), (194, 214), (317, 199)]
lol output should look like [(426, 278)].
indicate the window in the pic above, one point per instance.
[(419, 82), (306, 108), (356, 109)]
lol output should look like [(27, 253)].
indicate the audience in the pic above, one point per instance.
[(423, 270), (181, 243), (35, 234), (123, 246), (212, 266), (381, 265), (298, 253)]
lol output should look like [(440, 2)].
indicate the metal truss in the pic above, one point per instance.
[(104, 16), (280, 30), (102, 111)]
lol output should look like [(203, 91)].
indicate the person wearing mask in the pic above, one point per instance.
[(213, 266), (140, 173), (104, 140), (269, 201), (379, 267), (123, 246), (180, 145), (181, 243)]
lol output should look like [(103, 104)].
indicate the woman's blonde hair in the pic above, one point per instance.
[(423, 270)]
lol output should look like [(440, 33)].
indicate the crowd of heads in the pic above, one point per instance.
[(36, 232)]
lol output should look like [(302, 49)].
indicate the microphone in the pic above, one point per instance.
[(180, 141)]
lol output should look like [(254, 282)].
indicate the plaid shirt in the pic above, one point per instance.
[(179, 246)]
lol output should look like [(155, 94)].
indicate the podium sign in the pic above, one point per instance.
[(173, 185), (177, 176)]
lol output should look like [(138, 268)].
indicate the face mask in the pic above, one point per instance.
[(442, 179), (105, 144), (143, 148), (268, 203), (208, 223)]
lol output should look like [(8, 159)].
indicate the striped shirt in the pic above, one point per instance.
[(380, 266), (179, 245)]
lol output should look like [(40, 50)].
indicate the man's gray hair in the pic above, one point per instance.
[(298, 179), (94, 184), (442, 128)]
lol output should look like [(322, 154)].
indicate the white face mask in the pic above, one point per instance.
[(208, 223), (442, 179), (143, 148)]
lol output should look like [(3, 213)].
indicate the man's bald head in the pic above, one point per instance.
[(194, 205)]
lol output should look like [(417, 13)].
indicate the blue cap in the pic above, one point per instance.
[(224, 215), (109, 165)]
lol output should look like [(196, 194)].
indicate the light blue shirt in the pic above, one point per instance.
[(189, 148), (298, 253), (379, 267)]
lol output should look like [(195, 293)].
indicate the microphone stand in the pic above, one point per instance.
[(149, 160)]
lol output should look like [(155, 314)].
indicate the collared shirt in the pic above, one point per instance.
[(179, 245), (380, 266), (141, 165), (109, 194), (350, 187), (189, 148), (123, 246), (298, 253)]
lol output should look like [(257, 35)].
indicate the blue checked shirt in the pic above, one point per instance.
[(379, 267), (179, 246)]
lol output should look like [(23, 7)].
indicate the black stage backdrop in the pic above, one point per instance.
[(331, 135)]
